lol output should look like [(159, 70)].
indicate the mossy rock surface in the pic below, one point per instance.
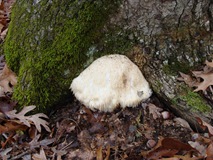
[(47, 44)]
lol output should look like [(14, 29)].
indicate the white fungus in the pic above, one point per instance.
[(109, 81)]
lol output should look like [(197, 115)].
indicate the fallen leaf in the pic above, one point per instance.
[(8, 79), (207, 80), (10, 126), (40, 156), (209, 64), (171, 143), (187, 79), (28, 120), (154, 110), (4, 154), (200, 148), (99, 153), (35, 143), (168, 147), (209, 152), (204, 124), (107, 153), (8, 140), (81, 154), (3, 34), (161, 152), (38, 121), (182, 122), (58, 153)]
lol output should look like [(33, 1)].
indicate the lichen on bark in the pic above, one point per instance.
[(47, 43)]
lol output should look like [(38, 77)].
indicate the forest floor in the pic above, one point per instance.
[(144, 132)]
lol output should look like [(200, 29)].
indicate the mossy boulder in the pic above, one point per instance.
[(47, 43)]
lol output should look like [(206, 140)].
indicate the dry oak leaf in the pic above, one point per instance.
[(188, 80), (40, 156), (58, 153), (35, 143), (207, 80), (28, 120), (209, 64), (10, 126)]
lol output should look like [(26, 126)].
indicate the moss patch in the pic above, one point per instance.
[(174, 67), (47, 43), (195, 101)]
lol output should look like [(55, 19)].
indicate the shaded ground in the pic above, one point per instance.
[(123, 134)]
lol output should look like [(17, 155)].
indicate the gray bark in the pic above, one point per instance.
[(175, 35)]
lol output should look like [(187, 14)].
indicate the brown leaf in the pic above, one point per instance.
[(187, 79), (58, 153), (40, 156), (9, 139), (8, 79), (81, 154), (207, 80), (3, 34), (204, 125), (209, 64), (2, 5), (209, 152), (182, 122), (99, 153), (170, 143), (107, 153), (161, 152), (43, 143), (10, 126), (38, 121), (168, 147), (28, 120)]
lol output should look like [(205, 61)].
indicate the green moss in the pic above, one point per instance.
[(174, 66), (117, 42), (194, 100), (47, 43)]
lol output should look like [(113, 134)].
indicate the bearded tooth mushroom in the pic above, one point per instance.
[(111, 81)]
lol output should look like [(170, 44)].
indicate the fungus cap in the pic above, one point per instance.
[(109, 81)]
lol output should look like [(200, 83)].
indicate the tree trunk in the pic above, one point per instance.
[(174, 35), (47, 44)]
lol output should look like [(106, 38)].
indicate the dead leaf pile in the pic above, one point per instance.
[(132, 133), (16, 125)]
